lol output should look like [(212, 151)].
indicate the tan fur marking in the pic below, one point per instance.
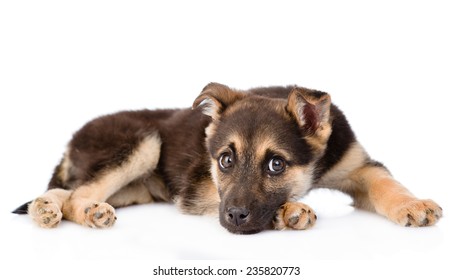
[(210, 130), (301, 182), (141, 162), (319, 140), (140, 192), (206, 204), (64, 168), (339, 176), (391, 199), (157, 188), (214, 172), (238, 143), (342, 177), (263, 143), (134, 193), (232, 139), (373, 188)]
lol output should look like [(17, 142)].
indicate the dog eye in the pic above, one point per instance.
[(226, 161), (276, 166)]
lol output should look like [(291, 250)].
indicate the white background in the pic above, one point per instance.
[(386, 64)]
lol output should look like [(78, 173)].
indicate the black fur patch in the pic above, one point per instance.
[(23, 209), (342, 137)]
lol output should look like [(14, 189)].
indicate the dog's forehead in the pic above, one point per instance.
[(257, 126), (255, 104), (254, 114), (255, 119)]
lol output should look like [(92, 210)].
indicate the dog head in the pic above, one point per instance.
[(262, 149)]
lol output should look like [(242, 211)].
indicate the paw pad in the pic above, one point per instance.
[(45, 213), (100, 215)]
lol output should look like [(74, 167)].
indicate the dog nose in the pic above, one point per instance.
[(237, 215)]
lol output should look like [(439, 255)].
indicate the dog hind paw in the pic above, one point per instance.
[(45, 212), (294, 215), (100, 215)]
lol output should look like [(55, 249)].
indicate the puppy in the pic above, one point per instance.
[(247, 156)]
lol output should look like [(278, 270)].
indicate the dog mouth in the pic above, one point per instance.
[(244, 232), (245, 222)]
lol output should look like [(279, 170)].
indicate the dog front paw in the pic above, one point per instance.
[(418, 213), (45, 212), (100, 215), (294, 215)]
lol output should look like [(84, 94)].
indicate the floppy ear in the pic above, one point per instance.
[(311, 108), (215, 98)]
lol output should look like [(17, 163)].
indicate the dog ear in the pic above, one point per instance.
[(215, 98), (311, 108)]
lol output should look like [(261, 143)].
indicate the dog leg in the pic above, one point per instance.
[(89, 212), (87, 204), (46, 209), (374, 189), (294, 215), (389, 198)]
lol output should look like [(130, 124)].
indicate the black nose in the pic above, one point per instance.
[(237, 215)]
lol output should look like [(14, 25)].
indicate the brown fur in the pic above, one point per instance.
[(246, 156)]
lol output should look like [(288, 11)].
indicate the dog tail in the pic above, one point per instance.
[(23, 209)]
